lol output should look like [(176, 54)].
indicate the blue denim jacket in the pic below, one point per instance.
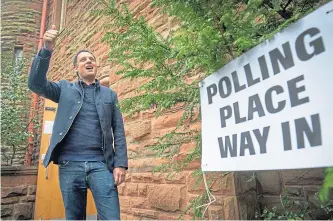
[(69, 97)]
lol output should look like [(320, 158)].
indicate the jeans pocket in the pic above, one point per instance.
[(63, 164)]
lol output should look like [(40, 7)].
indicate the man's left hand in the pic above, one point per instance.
[(119, 175)]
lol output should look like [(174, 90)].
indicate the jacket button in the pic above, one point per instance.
[(79, 102), (60, 133), (70, 118)]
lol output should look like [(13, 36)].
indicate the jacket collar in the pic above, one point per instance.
[(79, 85), (97, 83)]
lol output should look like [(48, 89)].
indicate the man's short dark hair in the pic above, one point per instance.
[(79, 52)]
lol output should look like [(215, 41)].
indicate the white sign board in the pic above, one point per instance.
[(272, 108), (48, 127)]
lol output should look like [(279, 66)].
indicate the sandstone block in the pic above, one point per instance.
[(139, 129), (179, 178), (138, 202), (129, 217), (244, 182), (166, 198), (303, 177), (170, 216), (142, 190), (271, 201), (230, 208), (29, 198), (146, 164), (10, 200), (294, 190), (193, 184), (121, 189), (167, 121), (145, 213), (215, 213), (132, 189), (187, 148), (146, 178), (225, 184), (13, 191), (124, 205), (148, 114), (248, 205), (32, 190), (6, 210), (22, 211), (270, 182)]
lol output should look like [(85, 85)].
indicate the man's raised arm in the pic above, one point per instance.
[(37, 81)]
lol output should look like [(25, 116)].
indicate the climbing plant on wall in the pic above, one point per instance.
[(205, 36)]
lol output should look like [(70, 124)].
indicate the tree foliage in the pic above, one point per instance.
[(14, 107)]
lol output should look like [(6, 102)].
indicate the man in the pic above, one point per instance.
[(88, 140)]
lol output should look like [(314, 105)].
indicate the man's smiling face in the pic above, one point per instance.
[(86, 65)]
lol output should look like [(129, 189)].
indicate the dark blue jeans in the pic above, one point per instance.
[(75, 177)]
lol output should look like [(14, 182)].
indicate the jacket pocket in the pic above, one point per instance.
[(63, 164)]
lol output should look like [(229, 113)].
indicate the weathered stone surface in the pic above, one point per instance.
[(23, 176), (271, 201), (269, 182), (7, 218), (172, 216), (124, 204), (303, 177), (124, 86), (146, 164), (22, 28), (230, 208), (183, 198), (193, 185), (32, 190), (167, 121), (13, 191), (121, 189), (145, 213), (129, 217), (146, 178), (216, 213), (166, 198), (244, 182), (248, 205), (294, 190), (148, 114), (22, 211), (128, 177), (139, 129), (138, 202), (194, 165), (132, 189), (176, 179), (187, 148), (133, 117), (10, 200), (225, 185), (6, 210), (142, 188), (221, 184), (219, 200), (29, 198)]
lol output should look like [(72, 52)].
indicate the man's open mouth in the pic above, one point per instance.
[(89, 67)]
